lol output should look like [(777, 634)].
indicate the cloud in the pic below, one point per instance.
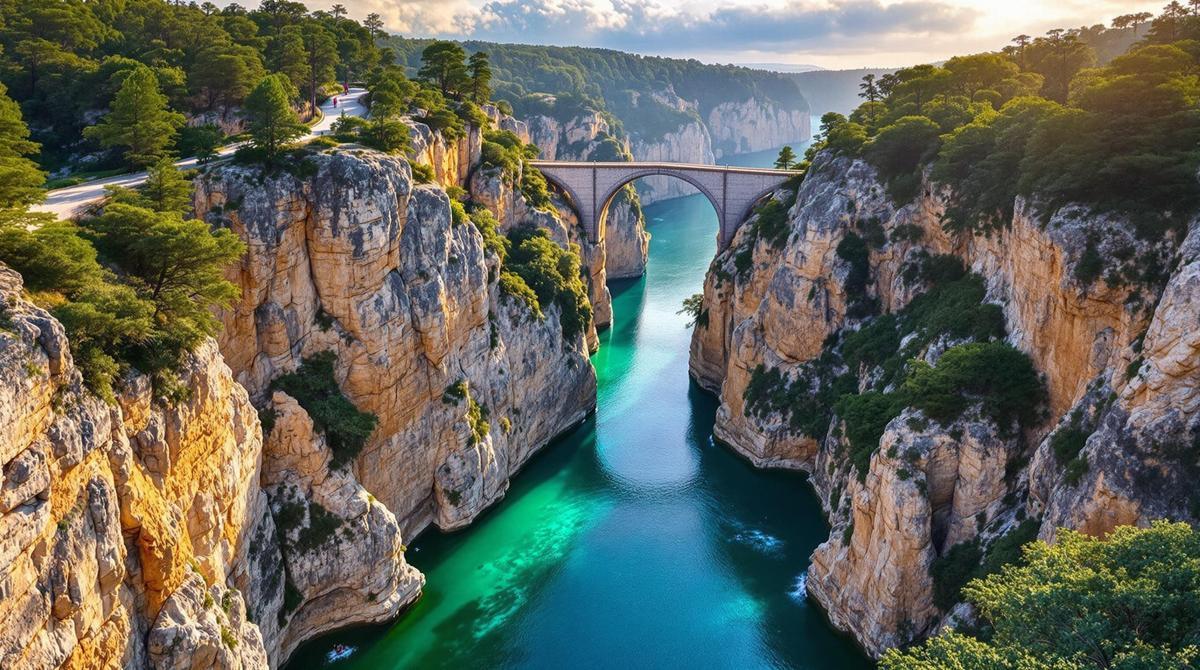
[(646, 26)]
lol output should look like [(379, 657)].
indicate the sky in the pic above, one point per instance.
[(833, 34)]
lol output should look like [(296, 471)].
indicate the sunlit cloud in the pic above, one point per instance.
[(831, 33)]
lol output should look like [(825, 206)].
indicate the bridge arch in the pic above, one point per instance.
[(732, 191), (606, 199)]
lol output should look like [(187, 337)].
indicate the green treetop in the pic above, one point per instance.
[(273, 122), (139, 120), (442, 65), (165, 190), (786, 159), (1131, 600), (20, 179), (480, 70)]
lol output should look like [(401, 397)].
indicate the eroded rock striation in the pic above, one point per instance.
[(218, 527), (794, 315)]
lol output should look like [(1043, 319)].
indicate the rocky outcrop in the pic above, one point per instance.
[(755, 125), (341, 549), (360, 261), (117, 516), (1114, 447), (588, 136)]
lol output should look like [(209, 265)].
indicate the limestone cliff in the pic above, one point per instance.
[(122, 521), (588, 136), (216, 529), (361, 261), (1113, 444)]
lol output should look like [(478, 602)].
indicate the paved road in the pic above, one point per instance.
[(66, 202)]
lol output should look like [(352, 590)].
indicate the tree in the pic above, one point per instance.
[(1058, 57), (480, 71), (786, 159), (1129, 600), (225, 74), (176, 264), (337, 11), (321, 59), (868, 89), (273, 122), (442, 65), (374, 23), (20, 179), (200, 141), (139, 120), (166, 189)]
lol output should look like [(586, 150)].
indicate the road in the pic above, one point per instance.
[(66, 202)]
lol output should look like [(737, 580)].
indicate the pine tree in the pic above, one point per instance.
[(442, 65), (20, 179), (139, 120), (787, 159), (165, 189), (273, 122), (480, 70)]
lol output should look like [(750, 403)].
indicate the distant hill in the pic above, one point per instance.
[(833, 90), (613, 80), (783, 67)]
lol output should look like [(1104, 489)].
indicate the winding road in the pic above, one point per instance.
[(67, 202)]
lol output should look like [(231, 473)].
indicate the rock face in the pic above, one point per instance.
[(148, 533), (360, 261), (119, 517), (1118, 359), (755, 125), (589, 137)]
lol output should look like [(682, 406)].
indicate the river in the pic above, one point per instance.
[(634, 541)]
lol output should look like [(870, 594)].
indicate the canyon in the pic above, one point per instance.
[(225, 527), (1116, 359), (221, 529)]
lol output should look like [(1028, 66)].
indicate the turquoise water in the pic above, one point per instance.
[(634, 541)]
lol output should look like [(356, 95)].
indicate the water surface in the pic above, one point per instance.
[(634, 541)]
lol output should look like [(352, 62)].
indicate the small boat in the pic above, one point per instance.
[(339, 652)]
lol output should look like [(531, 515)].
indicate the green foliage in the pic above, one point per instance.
[(165, 190), (866, 415), (952, 571), (899, 150), (786, 159), (158, 307), (139, 120), (966, 561), (771, 223), (854, 251), (561, 81), (273, 123), (315, 387), (553, 276), (479, 70), (200, 141), (20, 179), (1126, 601), (442, 65), (477, 418), (177, 264), (994, 374), (693, 307)]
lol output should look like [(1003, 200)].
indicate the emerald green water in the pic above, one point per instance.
[(632, 542)]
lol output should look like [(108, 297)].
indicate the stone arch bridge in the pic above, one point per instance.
[(733, 191)]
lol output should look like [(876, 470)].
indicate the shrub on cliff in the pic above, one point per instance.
[(994, 374), (156, 306), (552, 273), (315, 387), (1130, 600)]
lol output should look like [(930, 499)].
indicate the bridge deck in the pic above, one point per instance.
[(661, 165)]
